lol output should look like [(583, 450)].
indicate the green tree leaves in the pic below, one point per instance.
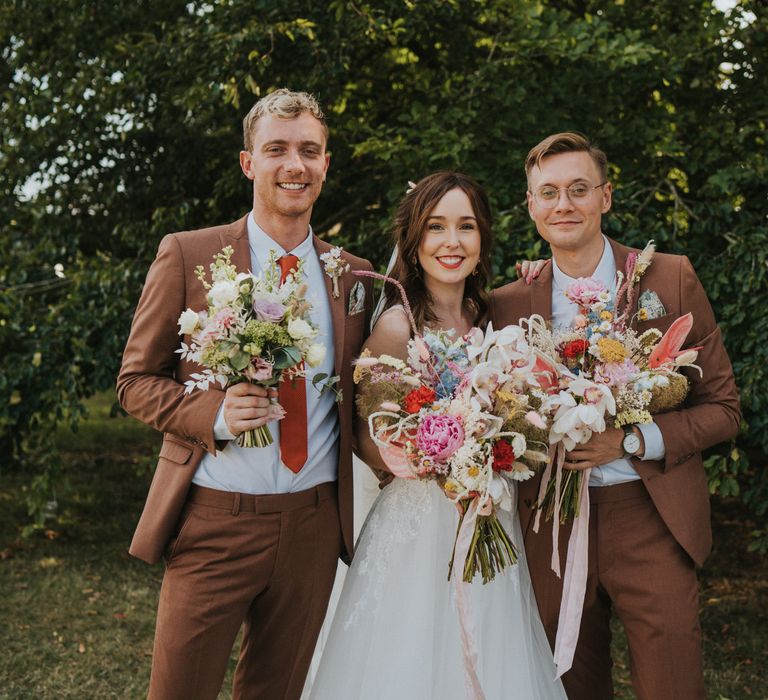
[(122, 123)]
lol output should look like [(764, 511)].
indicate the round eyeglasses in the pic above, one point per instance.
[(547, 197)]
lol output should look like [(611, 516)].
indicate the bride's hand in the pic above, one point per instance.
[(385, 478), (529, 270)]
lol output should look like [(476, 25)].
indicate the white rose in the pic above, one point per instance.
[(222, 293), (188, 322), (298, 329), (315, 354)]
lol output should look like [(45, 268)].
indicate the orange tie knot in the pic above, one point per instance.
[(288, 264)]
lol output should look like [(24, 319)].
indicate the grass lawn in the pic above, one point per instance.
[(77, 613)]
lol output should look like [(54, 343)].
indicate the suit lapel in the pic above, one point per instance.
[(236, 235), (337, 306), (620, 254)]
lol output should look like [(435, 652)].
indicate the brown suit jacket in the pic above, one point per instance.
[(678, 484), (150, 385)]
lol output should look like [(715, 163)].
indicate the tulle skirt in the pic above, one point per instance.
[(395, 632)]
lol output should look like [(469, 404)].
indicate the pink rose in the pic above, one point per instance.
[(439, 436), (584, 291), (259, 370), (269, 311)]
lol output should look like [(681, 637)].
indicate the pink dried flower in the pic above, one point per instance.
[(535, 419)]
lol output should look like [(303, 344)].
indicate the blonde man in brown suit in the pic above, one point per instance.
[(649, 524), (245, 538)]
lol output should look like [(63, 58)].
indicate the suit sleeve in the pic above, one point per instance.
[(147, 387), (711, 411)]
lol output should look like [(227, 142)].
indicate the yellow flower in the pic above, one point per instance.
[(606, 316), (451, 485), (611, 350), (360, 371), (507, 399), (632, 416), (642, 315), (473, 471)]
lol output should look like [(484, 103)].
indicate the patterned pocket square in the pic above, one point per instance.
[(356, 299), (651, 305)]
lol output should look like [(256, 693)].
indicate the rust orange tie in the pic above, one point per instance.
[(292, 395)]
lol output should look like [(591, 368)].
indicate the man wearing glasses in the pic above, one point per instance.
[(649, 524)]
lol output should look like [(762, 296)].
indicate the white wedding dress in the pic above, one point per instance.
[(395, 632)]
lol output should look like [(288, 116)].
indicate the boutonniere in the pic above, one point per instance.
[(335, 267), (634, 269)]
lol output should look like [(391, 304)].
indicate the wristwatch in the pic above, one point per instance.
[(630, 443)]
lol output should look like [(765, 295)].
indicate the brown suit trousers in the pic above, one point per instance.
[(637, 570), (267, 560)]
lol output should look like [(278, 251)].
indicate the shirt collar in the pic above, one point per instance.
[(261, 243), (605, 271)]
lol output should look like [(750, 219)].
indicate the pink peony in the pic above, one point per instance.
[(269, 311), (584, 291), (439, 436)]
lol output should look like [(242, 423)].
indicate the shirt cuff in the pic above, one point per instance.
[(220, 429), (654, 441)]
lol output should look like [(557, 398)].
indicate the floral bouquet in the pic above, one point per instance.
[(462, 412), (608, 374), (255, 329)]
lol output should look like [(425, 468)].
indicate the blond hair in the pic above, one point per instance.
[(285, 104), (566, 142)]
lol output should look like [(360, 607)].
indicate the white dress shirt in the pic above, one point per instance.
[(563, 312), (259, 470)]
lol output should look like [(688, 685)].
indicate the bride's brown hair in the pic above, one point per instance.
[(410, 225)]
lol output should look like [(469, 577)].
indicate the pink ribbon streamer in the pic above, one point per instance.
[(543, 484), (576, 563), (396, 461), (556, 458), (574, 584), (466, 627), (555, 564)]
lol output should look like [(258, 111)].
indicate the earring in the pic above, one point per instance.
[(476, 271)]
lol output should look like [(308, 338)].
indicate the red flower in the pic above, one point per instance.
[(574, 348), (418, 398), (503, 456)]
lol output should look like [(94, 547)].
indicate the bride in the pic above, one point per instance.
[(396, 631)]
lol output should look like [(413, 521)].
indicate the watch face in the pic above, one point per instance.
[(631, 443)]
